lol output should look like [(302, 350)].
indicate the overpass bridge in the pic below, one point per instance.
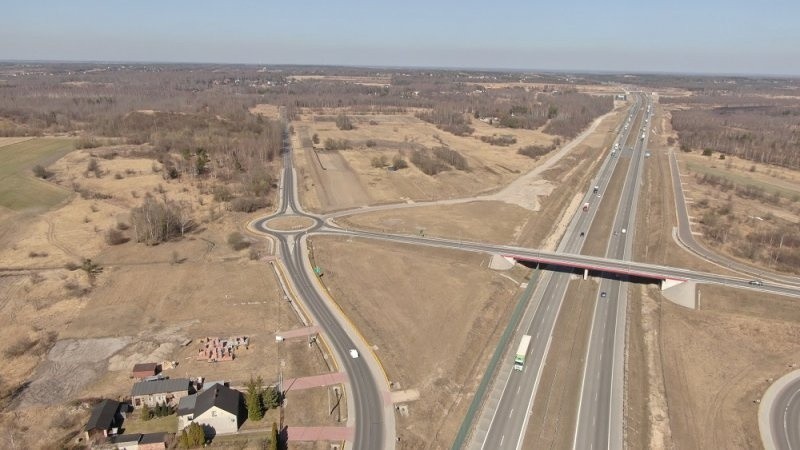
[(631, 269)]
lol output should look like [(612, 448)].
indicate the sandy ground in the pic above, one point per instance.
[(432, 316)]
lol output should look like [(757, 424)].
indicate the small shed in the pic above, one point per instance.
[(144, 370), (105, 418)]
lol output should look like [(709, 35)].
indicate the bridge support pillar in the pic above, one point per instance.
[(680, 292), (585, 274)]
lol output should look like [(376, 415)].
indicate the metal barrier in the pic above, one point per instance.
[(477, 401)]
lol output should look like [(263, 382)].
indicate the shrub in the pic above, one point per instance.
[(337, 144), (315, 138), (451, 157), (155, 222), (40, 172), (427, 163), (380, 162), (237, 241), (249, 204), (222, 194), (535, 151), (94, 167), (502, 141), (343, 122), (371, 143), (19, 347), (87, 142), (399, 163), (115, 237), (192, 436), (707, 152)]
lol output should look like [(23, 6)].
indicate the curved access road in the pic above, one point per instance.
[(686, 238), (368, 412), (779, 414)]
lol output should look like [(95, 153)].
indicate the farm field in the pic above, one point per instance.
[(19, 189)]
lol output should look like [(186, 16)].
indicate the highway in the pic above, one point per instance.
[(510, 416), (779, 414), (374, 427), (599, 412)]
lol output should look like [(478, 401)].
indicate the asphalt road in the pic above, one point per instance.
[(599, 414), (510, 418), (779, 414), (374, 428)]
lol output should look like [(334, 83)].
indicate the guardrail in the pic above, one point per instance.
[(477, 401)]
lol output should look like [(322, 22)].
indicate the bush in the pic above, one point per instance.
[(115, 237), (371, 143), (380, 162), (237, 241), (707, 152), (222, 194), (94, 167), (315, 138), (19, 347), (249, 204), (502, 141), (399, 163), (192, 436), (155, 222), (337, 144), (535, 151), (451, 157), (87, 142), (427, 163), (343, 122), (40, 172)]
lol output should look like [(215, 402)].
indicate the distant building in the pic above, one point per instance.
[(218, 408), (144, 370), (167, 392), (104, 420)]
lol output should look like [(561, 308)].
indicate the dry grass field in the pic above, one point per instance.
[(18, 189), (346, 178), (529, 212), (65, 337), (432, 316)]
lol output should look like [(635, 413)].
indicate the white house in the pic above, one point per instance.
[(218, 408)]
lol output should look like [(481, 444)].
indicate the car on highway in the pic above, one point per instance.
[(353, 353), (756, 283), (624, 231), (583, 233), (603, 294)]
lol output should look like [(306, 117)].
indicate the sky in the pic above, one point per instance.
[(699, 36)]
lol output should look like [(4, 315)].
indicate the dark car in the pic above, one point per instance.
[(603, 294)]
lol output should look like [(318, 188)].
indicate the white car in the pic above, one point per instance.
[(624, 231), (353, 353)]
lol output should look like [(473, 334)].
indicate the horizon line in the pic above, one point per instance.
[(420, 67)]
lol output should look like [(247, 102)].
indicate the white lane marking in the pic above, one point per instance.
[(511, 412)]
